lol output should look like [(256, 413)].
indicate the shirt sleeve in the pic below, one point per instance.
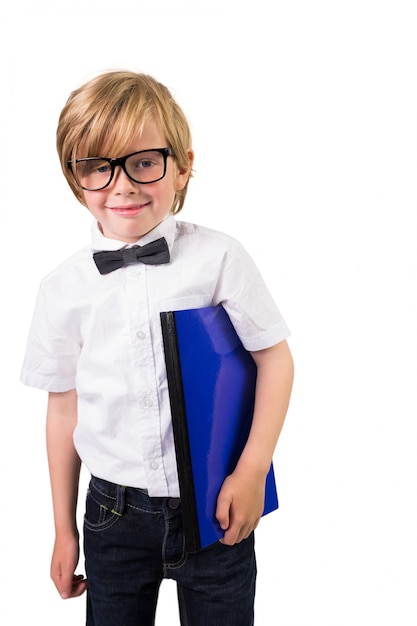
[(53, 346), (243, 293)]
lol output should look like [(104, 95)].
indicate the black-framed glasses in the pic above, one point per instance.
[(144, 167)]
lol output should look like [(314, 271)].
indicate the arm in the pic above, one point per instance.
[(64, 470), (241, 499)]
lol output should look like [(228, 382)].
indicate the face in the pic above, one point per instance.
[(126, 210)]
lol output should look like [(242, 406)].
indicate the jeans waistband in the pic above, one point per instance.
[(132, 496)]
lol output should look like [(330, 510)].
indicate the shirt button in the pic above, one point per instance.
[(153, 465), (147, 402), (140, 335)]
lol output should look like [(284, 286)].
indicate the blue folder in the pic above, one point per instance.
[(211, 382)]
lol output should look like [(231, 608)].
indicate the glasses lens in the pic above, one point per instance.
[(146, 167), (93, 173)]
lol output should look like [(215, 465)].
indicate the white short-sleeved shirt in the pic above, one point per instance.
[(101, 335)]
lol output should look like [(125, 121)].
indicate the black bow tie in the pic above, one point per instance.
[(154, 253)]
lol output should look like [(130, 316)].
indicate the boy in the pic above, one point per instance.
[(96, 346)]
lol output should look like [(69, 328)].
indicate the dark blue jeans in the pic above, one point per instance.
[(132, 542)]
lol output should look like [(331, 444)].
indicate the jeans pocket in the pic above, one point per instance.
[(101, 511)]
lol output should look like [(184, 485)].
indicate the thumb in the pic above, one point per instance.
[(223, 511)]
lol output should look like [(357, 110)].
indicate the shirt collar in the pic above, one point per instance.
[(165, 229)]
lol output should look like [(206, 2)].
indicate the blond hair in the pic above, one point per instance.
[(102, 116)]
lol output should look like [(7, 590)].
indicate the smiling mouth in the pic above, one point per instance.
[(132, 209)]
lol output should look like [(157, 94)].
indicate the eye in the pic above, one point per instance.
[(145, 167), (145, 163), (103, 168), (90, 167)]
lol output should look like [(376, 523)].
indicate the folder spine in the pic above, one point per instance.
[(180, 432)]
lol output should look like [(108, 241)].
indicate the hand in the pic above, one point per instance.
[(240, 505), (64, 561)]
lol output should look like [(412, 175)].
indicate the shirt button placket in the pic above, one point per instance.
[(145, 375)]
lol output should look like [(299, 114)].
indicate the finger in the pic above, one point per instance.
[(237, 533), (232, 534), (64, 583), (223, 512), (79, 585)]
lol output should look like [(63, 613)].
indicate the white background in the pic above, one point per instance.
[(304, 116)]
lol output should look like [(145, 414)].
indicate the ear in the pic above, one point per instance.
[(183, 175)]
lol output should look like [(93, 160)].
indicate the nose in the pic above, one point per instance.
[(121, 182)]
